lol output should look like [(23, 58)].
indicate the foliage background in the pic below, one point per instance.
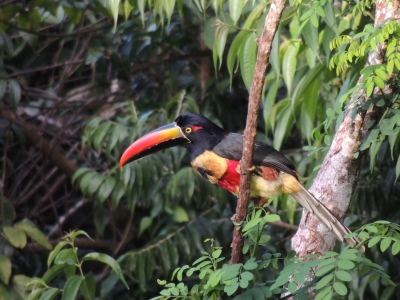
[(77, 88)]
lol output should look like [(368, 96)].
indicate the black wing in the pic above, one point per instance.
[(231, 147)]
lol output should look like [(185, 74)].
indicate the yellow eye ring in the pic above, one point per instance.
[(188, 130)]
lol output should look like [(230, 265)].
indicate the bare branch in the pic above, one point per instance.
[(264, 49), (49, 150)]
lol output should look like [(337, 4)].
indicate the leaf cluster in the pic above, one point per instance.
[(64, 260)]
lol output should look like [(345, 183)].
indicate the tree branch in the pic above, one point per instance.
[(49, 150), (335, 182), (264, 49)]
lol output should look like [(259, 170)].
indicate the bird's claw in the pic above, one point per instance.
[(239, 170), (235, 221)]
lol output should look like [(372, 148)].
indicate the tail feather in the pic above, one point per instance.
[(314, 206)]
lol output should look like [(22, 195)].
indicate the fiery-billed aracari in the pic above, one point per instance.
[(215, 155)]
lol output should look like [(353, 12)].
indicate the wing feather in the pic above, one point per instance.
[(231, 147)]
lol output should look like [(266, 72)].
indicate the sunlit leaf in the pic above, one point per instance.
[(34, 233), (15, 236), (108, 260), (235, 9)]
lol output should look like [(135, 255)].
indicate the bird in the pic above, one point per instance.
[(215, 155)]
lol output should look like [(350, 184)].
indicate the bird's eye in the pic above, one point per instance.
[(188, 130)]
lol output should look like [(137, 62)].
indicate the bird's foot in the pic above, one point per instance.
[(239, 170), (235, 221)]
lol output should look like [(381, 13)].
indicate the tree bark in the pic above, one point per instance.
[(264, 49), (335, 182)]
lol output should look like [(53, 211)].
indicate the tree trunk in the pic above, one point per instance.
[(335, 182)]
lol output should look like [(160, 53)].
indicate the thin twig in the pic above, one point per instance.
[(264, 49), (126, 233), (57, 227)]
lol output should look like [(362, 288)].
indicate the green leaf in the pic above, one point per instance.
[(88, 287), (52, 272), (3, 87), (55, 251), (247, 59), (396, 248), (314, 21), (349, 253), (5, 269), (117, 194), (106, 188), (243, 284), (340, 288), (274, 56), (272, 218), (246, 276), (289, 64), (50, 294), (15, 236), (108, 260), (231, 289), (179, 274), (114, 5), (280, 281), (379, 82), (199, 260), (234, 52), (74, 234), (250, 264), (232, 271), (324, 270), (235, 9), (75, 15), (397, 168), (310, 35), (100, 134), (343, 275), (141, 6), (370, 89), (325, 293), (220, 40), (216, 253), (145, 223), (268, 103), (78, 173), (15, 92), (324, 281), (375, 240), (254, 16), (381, 73), (282, 129), (179, 214), (252, 223), (169, 8), (71, 287), (345, 264), (95, 183), (34, 233), (127, 9), (371, 228), (66, 256), (372, 136), (385, 243), (307, 89)]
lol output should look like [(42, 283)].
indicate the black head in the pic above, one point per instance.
[(202, 133), (195, 132)]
